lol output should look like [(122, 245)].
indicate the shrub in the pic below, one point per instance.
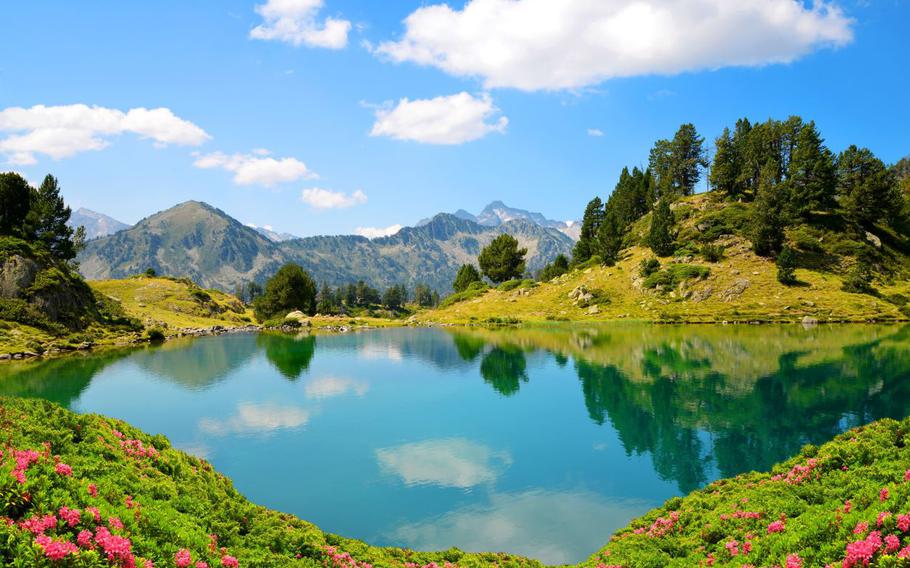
[(806, 241), (510, 285), (648, 267), (674, 274), (475, 290), (712, 253), (155, 334)]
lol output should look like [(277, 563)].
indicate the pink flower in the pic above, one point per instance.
[(95, 513), (892, 543), (116, 548), (794, 561), (115, 523), (63, 469), (202, 564), (907, 475), (92, 489), (229, 561), (148, 564), (776, 527), (732, 547), (183, 559), (903, 522), (56, 549), (37, 525), (84, 539), (883, 495), (904, 553), (861, 527), (881, 518), (70, 516), (847, 506)]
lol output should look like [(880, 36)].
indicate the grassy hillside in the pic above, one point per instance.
[(174, 303), (846, 503), (96, 492), (740, 286)]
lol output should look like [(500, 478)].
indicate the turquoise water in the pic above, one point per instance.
[(539, 441)]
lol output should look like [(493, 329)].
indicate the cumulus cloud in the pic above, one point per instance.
[(63, 131), (452, 119), (330, 387), (540, 45), (595, 132), (376, 232), (257, 419), (295, 22), (448, 462), (256, 168), (328, 199), (551, 526)]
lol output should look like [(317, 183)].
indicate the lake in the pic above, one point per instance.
[(539, 441)]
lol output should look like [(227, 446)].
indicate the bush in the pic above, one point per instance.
[(806, 241), (674, 274), (648, 267), (712, 253), (475, 290), (155, 334), (510, 285)]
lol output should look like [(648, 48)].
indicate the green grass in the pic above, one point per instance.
[(166, 502)]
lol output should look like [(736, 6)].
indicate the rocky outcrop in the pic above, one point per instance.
[(17, 273)]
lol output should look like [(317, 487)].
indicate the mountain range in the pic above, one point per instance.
[(96, 224), (498, 213), (202, 242)]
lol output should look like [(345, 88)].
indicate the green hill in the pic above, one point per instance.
[(741, 286)]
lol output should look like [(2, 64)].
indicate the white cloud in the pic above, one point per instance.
[(550, 526), (257, 419), (256, 168), (376, 232), (328, 199), (569, 44), (330, 387), (63, 131), (448, 462), (453, 119), (295, 22), (595, 132)]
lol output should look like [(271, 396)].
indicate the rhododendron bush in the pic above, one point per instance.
[(85, 491), (845, 504)]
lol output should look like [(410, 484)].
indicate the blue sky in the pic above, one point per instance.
[(502, 98)]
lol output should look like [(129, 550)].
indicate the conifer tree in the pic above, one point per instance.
[(812, 180), (867, 189), (767, 214), (590, 224), (660, 238), (786, 266), (609, 239)]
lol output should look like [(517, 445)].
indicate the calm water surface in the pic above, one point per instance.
[(538, 441)]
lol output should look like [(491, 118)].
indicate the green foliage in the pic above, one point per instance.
[(474, 290), (660, 238), (590, 225), (812, 177), (510, 285), (555, 269), (150, 273), (676, 165), (290, 289), (786, 266), (609, 239), (424, 297), (502, 259), (673, 274), (859, 278), (767, 215), (712, 253), (155, 334), (15, 201), (395, 297), (466, 276), (868, 190), (648, 267), (47, 221)]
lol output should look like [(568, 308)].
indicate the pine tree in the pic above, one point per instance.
[(290, 289), (786, 266), (15, 201), (660, 238), (590, 224), (867, 189), (502, 259), (660, 164), (687, 159), (609, 239), (466, 276), (767, 214), (726, 171), (811, 176)]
